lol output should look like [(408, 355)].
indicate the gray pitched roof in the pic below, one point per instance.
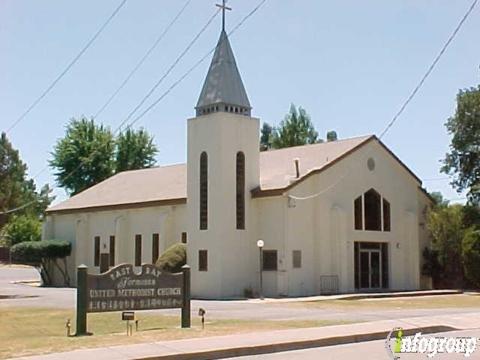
[(223, 83)]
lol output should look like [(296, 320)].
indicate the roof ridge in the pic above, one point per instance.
[(366, 137)]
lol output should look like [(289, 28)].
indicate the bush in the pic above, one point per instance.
[(173, 258), (471, 256), (43, 255), (23, 228)]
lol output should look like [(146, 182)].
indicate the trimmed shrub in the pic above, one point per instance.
[(173, 258), (471, 256), (43, 255)]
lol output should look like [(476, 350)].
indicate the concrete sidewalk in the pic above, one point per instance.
[(268, 342)]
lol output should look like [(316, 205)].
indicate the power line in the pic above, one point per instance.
[(142, 60), (430, 69), (189, 71), (405, 104), (438, 179), (69, 66), (176, 83), (133, 71), (174, 64)]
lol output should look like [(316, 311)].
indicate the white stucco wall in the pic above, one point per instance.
[(221, 135), (323, 227), (81, 228)]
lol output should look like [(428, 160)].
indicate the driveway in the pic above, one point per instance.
[(32, 296)]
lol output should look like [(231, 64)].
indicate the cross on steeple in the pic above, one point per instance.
[(224, 7)]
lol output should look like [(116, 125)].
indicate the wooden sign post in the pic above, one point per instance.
[(121, 289)]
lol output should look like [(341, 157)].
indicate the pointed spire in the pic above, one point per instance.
[(223, 88)]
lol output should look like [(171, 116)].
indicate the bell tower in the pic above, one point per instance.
[(222, 169)]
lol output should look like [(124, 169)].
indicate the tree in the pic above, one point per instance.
[(445, 224), (471, 256), (44, 255), (16, 190), (134, 150), (84, 157), (296, 129), (332, 136), (22, 228), (89, 154), (463, 160), (438, 199), (266, 134)]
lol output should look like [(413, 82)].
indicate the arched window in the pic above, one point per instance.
[(372, 212), (240, 190), (203, 191)]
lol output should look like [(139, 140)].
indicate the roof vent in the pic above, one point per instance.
[(297, 167)]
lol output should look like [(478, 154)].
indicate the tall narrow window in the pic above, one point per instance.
[(184, 237), (373, 211), (112, 251), (202, 260), (386, 215), (240, 190), (96, 254), (203, 191), (155, 247), (138, 250), (358, 213)]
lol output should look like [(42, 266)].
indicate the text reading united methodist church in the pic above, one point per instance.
[(340, 216)]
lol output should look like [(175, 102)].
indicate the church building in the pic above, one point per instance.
[(334, 217)]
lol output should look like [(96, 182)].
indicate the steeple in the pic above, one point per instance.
[(223, 89)]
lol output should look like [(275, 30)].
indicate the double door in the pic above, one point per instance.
[(370, 268)]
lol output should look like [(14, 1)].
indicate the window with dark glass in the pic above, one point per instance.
[(386, 215), (269, 260), (373, 211), (297, 259), (184, 237), (138, 250), (240, 190), (358, 213), (203, 191), (202, 260), (112, 251), (96, 252), (155, 247)]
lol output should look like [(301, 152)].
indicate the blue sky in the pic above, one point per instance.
[(350, 64)]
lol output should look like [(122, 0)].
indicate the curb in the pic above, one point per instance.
[(400, 295), (293, 345)]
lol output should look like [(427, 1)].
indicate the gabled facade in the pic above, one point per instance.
[(342, 216)]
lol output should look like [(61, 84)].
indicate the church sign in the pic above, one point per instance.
[(121, 289)]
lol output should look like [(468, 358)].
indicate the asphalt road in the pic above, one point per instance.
[(371, 350), (31, 296)]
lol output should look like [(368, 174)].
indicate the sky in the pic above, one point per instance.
[(350, 64)]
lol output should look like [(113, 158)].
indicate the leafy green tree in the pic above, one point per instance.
[(266, 134), (332, 136), (17, 192), (471, 256), (296, 129), (84, 157), (22, 228), (463, 160), (447, 228), (438, 199), (134, 150)]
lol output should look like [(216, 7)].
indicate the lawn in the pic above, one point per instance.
[(28, 331), (420, 302)]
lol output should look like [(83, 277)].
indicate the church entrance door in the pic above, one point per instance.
[(371, 266)]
